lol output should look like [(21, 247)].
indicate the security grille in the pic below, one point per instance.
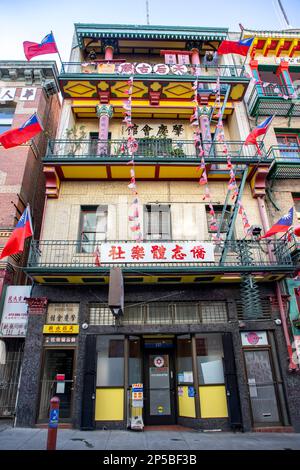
[(265, 310), (161, 313)]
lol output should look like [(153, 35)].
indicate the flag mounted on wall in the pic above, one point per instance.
[(282, 225), (261, 129), (235, 47), (27, 131), (23, 229), (47, 46)]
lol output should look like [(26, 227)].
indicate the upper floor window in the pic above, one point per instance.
[(93, 227), (218, 216), (6, 118), (157, 218), (289, 145)]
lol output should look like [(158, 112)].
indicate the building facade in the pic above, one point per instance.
[(24, 90), (149, 113)]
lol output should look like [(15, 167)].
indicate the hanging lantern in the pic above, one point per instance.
[(297, 231)]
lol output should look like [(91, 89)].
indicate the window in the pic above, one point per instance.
[(289, 145), (110, 361), (218, 214), (93, 227), (296, 199), (149, 147), (184, 359), (135, 361), (6, 118), (157, 222), (93, 143), (210, 359)]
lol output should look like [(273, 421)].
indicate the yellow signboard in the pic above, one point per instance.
[(61, 329)]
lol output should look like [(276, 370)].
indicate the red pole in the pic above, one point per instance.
[(53, 423)]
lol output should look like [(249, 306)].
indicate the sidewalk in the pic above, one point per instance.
[(71, 439)]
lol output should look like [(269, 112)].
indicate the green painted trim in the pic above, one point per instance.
[(293, 310)]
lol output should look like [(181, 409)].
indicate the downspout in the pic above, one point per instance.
[(265, 223)]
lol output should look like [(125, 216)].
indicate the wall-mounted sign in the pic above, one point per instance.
[(15, 316), (254, 338), (28, 94), (7, 94), (156, 252), (63, 313), (60, 340), (137, 395), (61, 329)]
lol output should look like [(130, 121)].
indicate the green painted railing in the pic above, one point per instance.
[(273, 99), (74, 254), (149, 149), (285, 154)]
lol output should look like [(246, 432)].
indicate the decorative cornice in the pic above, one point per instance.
[(36, 72)]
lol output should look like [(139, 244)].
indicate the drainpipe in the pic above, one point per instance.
[(265, 223)]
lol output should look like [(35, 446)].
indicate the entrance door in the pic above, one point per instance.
[(159, 394), (262, 388), (57, 380)]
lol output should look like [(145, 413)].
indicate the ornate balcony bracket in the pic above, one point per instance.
[(258, 181), (52, 182)]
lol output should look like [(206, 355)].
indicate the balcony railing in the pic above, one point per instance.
[(286, 162), (242, 255), (148, 150), (285, 153), (153, 69), (273, 99)]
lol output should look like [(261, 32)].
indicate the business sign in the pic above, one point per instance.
[(14, 318), (66, 313), (254, 338), (61, 329), (180, 252)]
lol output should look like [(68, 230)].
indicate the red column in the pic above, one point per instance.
[(109, 53)]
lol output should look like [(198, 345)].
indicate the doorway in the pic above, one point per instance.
[(57, 380), (262, 388), (159, 380)]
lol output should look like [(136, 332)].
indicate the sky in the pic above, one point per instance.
[(31, 20)]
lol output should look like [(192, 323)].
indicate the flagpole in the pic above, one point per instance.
[(62, 65)]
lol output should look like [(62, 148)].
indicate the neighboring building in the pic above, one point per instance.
[(24, 89), (198, 329)]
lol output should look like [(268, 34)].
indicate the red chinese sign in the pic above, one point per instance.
[(157, 252)]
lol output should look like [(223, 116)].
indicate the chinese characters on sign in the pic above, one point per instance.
[(14, 317), (61, 329), (188, 252), (60, 340), (142, 68), (66, 313)]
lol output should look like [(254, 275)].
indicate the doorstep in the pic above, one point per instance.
[(282, 429), (168, 427)]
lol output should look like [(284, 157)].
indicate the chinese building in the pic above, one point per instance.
[(24, 90), (150, 112)]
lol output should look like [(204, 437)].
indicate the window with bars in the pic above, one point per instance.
[(157, 221), (162, 313), (218, 214), (93, 227)]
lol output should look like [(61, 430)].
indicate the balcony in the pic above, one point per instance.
[(109, 81), (273, 99), (155, 159), (64, 261), (285, 162)]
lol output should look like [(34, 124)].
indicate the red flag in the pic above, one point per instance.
[(23, 229), (15, 137), (235, 47), (47, 46), (97, 257)]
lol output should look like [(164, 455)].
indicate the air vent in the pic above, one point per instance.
[(55, 279), (134, 279), (204, 279), (50, 88), (169, 279), (94, 280)]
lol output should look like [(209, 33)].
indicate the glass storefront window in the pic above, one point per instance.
[(110, 361), (210, 359), (135, 361), (184, 360)]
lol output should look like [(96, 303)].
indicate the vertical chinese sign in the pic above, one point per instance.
[(14, 317)]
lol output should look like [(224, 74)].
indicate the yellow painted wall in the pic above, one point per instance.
[(186, 404), (188, 216), (109, 404), (213, 403)]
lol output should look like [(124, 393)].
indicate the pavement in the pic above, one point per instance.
[(73, 439)]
